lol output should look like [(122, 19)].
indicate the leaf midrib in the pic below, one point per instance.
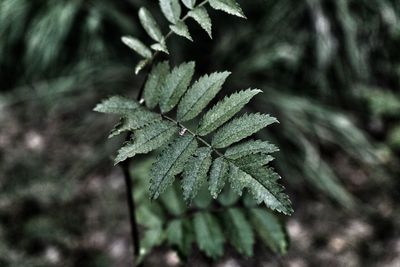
[(172, 165)]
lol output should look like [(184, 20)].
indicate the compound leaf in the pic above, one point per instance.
[(200, 94), (224, 110), (171, 162)]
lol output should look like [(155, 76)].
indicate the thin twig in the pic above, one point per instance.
[(129, 195), (132, 210)]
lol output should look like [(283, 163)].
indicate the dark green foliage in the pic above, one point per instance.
[(189, 154), (210, 228), (310, 78)]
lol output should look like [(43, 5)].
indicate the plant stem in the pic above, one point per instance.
[(129, 194), (199, 138), (132, 210)]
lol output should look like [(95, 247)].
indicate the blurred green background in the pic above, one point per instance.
[(330, 72)]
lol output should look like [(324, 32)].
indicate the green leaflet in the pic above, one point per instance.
[(137, 46), (228, 6), (239, 231), (241, 128), (179, 234), (200, 15), (181, 29), (141, 65), (117, 105), (224, 110), (243, 164), (200, 94), (136, 120), (250, 147), (173, 201), (147, 139), (150, 25), (209, 236), (269, 229), (161, 47), (152, 88), (189, 3), (263, 185), (253, 161), (176, 84), (228, 197), (153, 235), (171, 162), (171, 10), (218, 175), (195, 173), (203, 199)]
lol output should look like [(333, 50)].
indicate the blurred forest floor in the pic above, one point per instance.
[(330, 71), (83, 220)]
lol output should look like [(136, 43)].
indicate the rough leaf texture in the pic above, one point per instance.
[(195, 173), (250, 147), (170, 163), (136, 120), (200, 15), (147, 139), (243, 166), (181, 29), (228, 6), (218, 176), (200, 94), (263, 185), (241, 128), (176, 85), (117, 105), (225, 110), (152, 89)]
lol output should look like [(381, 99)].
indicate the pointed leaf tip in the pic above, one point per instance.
[(229, 6)]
